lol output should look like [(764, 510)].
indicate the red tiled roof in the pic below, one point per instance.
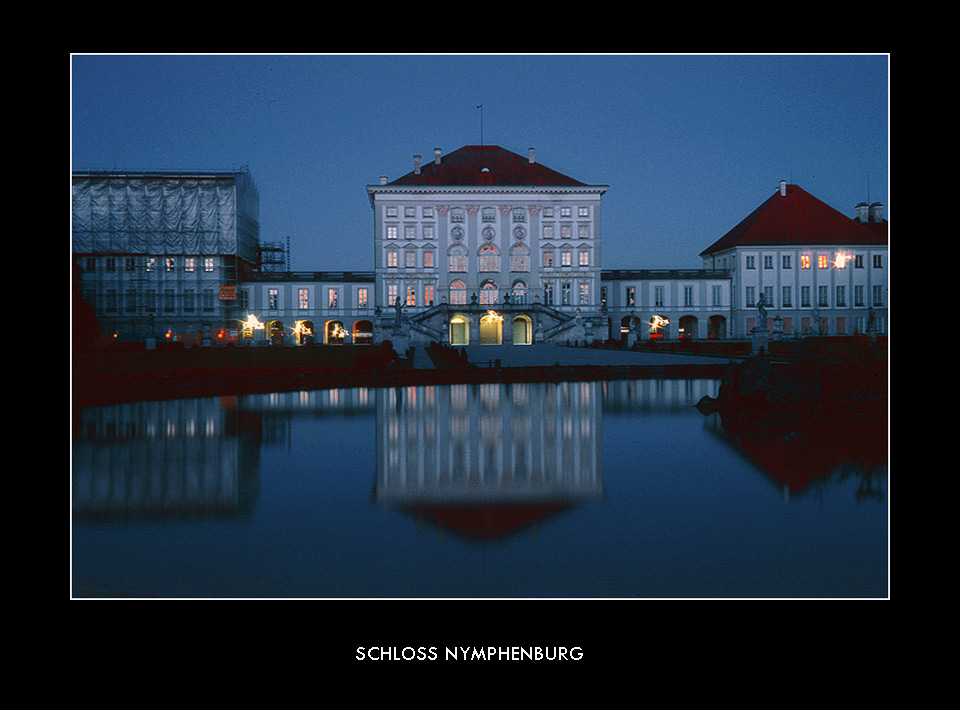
[(484, 165), (798, 218)]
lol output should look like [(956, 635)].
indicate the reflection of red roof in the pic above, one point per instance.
[(488, 521), (798, 218), (484, 165)]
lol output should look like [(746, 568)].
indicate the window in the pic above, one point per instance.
[(858, 295), (786, 298), (362, 297), (687, 296), (519, 292), (804, 296), (583, 211), (489, 258), (548, 231), (458, 293), (333, 298), (564, 231), (428, 231), (548, 211), (519, 215), (658, 295), (768, 262), (584, 258), (456, 214), (428, 295), (489, 214), (392, 294), (488, 293), (273, 299), (409, 211), (428, 211), (877, 261), (804, 261), (750, 262), (822, 296), (208, 263), (519, 260), (208, 299), (858, 261), (189, 264), (410, 259), (189, 300), (565, 292), (548, 294), (785, 261), (768, 296), (584, 293), (130, 263), (409, 231), (391, 231), (428, 259), (548, 258), (841, 296), (751, 297), (392, 259), (392, 211), (583, 231), (565, 257), (717, 295), (169, 300), (303, 298), (150, 263), (411, 295), (878, 295), (457, 261), (564, 211), (822, 261), (131, 301), (631, 295), (111, 263), (170, 263)]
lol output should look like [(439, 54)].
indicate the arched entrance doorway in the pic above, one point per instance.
[(363, 332), (716, 327), (303, 332), (522, 331), (491, 328), (333, 333), (275, 332), (688, 328), (459, 330)]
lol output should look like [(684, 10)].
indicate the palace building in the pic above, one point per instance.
[(479, 246)]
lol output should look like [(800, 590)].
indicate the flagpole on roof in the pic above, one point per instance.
[(480, 106)]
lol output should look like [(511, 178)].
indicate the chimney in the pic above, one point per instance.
[(531, 156), (436, 156), (383, 179), (783, 188), (863, 213), (876, 212), (416, 165)]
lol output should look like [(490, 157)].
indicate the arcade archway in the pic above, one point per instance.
[(522, 330), (491, 328), (459, 330)]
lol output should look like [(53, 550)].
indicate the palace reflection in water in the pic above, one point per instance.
[(483, 462)]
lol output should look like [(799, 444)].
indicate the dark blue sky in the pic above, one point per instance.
[(689, 145)]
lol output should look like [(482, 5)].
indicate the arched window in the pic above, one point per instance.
[(519, 292), (519, 258), (457, 257), (488, 293), (458, 293), (489, 258)]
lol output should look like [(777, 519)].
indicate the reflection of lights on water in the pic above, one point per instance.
[(657, 323)]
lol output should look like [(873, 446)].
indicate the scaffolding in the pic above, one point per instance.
[(275, 257)]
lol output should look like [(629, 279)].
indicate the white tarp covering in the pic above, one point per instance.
[(162, 215)]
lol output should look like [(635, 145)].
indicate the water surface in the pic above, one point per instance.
[(577, 490)]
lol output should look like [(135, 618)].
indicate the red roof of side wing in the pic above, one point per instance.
[(484, 165), (798, 218)]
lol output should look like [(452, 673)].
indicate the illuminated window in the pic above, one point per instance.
[(583, 211), (548, 294), (457, 261), (391, 294), (548, 231), (391, 259), (565, 293), (631, 295), (583, 231), (273, 299), (170, 263), (548, 258), (189, 264), (458, 293), (489, 258), (362, 297), (428, 259), (428, 295), (488, 293), (584, 258), (565, 258), (804, 261), (410, 259), (208, 263), (409, 232), (428, 231), (391, 231), (584, 293), (822, 262), (411, 295)]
